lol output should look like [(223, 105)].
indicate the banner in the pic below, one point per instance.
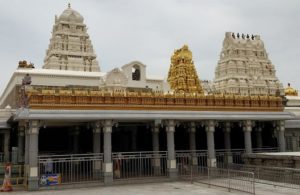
[(50, 179)]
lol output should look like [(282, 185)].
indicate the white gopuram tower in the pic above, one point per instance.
[(244, 67), (70, 47)]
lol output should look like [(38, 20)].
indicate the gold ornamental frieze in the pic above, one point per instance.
[(104, 100)]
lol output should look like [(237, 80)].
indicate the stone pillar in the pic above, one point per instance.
[(33, 132), (21, 134), (259, 138), (211, 158), (247, 136), (172, 169), (97, 149), (281, 138), (27, 142), (97, 137), (76, 133), (108, 166), (155, 147), (192, 134), (227, 142), (6, 145)]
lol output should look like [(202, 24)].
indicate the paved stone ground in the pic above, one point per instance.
[(168, 188)]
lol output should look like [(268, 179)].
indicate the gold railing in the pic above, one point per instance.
[(103, 100)]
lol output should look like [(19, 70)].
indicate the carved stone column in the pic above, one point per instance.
[(108, 166), (227, 142), (281, 138), (97, 137), (210, 129), (172, 169), (192, 135), (258, 137), (21, 134), (97, 149), (155, 147), (33, 177), (247, 136), (27, 142)]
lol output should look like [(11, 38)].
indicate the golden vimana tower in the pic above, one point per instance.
[(182, 76)]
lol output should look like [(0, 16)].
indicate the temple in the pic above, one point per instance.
[(71, 121)]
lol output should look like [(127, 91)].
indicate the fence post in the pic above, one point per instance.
[(253, 183), (140, 165), (192, 166), (208, 176), (71, 168), (228, 177)]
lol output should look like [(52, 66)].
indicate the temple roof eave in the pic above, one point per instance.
[(79, 115)]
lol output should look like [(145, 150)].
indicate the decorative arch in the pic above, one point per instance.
[(136, 72)]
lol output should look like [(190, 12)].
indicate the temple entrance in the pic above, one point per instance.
[(181, 138), (54, 140), (219, 137), (65, 140), (269, 136), (131, 137), (201, 142), (237, 136)]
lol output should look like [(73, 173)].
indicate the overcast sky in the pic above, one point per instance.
[(149, 30)]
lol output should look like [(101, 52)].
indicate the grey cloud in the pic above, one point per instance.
[(150, 30)]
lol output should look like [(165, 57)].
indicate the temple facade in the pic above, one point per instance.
[(70, 116)]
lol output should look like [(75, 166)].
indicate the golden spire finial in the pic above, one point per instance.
[(69, 5)]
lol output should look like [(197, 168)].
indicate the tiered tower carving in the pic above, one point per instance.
[(244, 67), (70, 47), (182, 75)]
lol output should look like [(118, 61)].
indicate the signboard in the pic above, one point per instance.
[(50, 179)]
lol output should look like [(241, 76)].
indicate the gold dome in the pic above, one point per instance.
[(289, 91)]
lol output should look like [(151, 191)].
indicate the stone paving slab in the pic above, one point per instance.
[(170, 188)]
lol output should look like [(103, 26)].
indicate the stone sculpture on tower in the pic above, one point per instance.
[(70, 47)]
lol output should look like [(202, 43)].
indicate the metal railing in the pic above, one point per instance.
[(258, 150), (186, 158), (230, 179), (75, 168), (18, 175), (225, 157), (199, 157), (133, 165), (66, 169), (276, 176)]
